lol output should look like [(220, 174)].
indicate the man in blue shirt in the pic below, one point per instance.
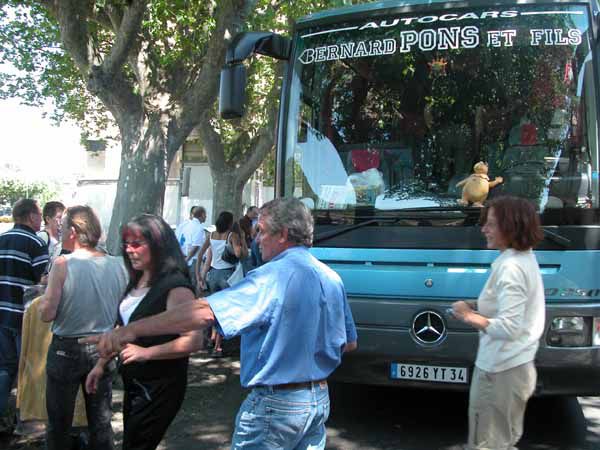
[(295, 323)]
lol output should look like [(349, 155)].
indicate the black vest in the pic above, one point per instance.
[(155, 302)]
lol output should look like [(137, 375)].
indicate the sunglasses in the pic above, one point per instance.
[(134, 244)]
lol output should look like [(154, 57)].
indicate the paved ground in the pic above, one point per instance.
[(363, 417), (205, 420)]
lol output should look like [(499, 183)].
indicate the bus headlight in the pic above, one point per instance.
[(571, 331), (567, 324)]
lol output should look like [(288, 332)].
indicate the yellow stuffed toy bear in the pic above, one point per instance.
[(476, 186)]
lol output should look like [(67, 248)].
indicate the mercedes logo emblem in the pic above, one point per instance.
[(428, 327)]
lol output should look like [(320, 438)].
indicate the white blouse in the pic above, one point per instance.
[(130, 303), (513, 301)]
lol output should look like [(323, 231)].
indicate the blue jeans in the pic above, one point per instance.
[(10, 349), (247, 264), (67, 367), (217, 279), (272, 418)]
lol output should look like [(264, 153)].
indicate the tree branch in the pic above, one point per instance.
[(255, 156), (119, 97), (102, 19), (202, 95), (212, 143), (126, 36), (71, 16), (265, 140)]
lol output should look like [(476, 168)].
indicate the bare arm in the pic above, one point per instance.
[(202, 268), (239, 245), (180, 319), (182, 346), (205, 246), (51, 298), (191, 253)]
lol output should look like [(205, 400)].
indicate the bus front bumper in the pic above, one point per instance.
[(385, 355)]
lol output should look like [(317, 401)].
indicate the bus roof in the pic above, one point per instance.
[(365, 8)]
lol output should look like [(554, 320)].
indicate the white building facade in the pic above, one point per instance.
[(189, 183)]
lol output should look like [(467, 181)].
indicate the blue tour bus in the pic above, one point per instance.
[(385, 107)]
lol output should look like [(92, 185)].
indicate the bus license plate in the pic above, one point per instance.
[(441, 374)]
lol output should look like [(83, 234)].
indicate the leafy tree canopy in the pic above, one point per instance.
[(12, 190), (151, 68)]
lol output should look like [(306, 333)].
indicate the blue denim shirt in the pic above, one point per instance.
[(293, 316)]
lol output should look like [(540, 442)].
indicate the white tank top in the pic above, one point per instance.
[(91, 294), (130, 303), (217, 246)]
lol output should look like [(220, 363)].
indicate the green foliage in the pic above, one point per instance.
[(39, 69), (264, 79), (12, 190), (175, 38)]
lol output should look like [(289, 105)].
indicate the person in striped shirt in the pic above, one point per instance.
[(23, 260)]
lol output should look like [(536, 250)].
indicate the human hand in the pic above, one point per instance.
[(111, 342), (91, 382), (499, 180), (461, 310), (134, 353)]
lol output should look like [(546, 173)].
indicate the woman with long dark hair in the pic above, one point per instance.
[(227, 234), (510, 316), (154, 369)]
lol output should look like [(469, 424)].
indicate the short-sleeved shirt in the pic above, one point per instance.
[(179, 233), (23, 260), (194, 235), (293, 317)]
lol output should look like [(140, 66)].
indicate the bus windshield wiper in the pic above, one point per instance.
[(428, 211), (556, 238), (395, 215), (333, 233)]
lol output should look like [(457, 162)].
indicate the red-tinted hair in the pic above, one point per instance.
[(165, 253), (518, 221)]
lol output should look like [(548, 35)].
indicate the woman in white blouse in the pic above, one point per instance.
[(509, 315)]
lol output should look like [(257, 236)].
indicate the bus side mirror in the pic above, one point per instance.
[(232, 91)]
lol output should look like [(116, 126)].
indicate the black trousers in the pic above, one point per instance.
[(149, 407), (67, 367)]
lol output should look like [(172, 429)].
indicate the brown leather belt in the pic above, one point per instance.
[(301, 385)]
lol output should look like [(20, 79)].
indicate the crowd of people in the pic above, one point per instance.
[(142, 314)]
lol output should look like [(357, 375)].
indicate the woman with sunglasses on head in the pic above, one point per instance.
[(509, 315), (83, 294), (154, 369)]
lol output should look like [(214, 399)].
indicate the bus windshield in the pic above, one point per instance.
[(393, 112)]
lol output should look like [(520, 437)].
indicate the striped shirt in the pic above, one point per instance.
[(23, 260)]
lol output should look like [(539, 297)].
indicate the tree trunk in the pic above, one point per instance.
[(142, 177), (227, 192)]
